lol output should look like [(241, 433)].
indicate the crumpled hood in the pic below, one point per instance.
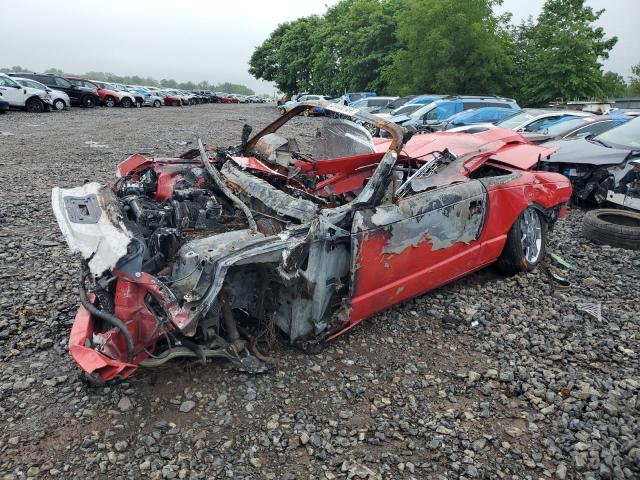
[(582, 151)]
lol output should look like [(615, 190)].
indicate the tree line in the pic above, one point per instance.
[(226, 87), (442, 46)]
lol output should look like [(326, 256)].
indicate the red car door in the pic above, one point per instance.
[(404, 249)]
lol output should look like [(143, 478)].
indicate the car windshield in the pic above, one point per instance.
[(517, 120), (424, 109), (399, 102), (626, 136), (406, 109)]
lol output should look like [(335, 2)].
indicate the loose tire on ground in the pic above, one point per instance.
[(526, 243), (34, 105), (618, 228)]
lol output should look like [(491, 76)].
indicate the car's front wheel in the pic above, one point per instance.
[(34, 105), (109, 102), (59, 104), (157, 103), (88, 101), (526, 243)]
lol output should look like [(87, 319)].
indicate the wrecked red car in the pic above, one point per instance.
[(187, 256)]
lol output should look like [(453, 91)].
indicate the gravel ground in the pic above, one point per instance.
[(489, 377)]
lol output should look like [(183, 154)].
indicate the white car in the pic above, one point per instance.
[(59, 99), (31, 99), (528, 120)]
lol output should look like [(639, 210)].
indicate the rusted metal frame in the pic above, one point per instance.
[(396, 131)]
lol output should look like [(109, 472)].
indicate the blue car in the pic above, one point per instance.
[(149, 98), (434, 115), (479, 115)]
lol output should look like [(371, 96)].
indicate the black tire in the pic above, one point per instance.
[(34, 105), (514, 258), (618, 228), (109, 101), (157, 103), (59, 104), (126, 102), (88, 101), (139, 103)]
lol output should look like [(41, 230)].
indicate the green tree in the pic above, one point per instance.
[(563, 59), (613, 85), (227, 87), (634, 80), (450, 47), (286, 56), (353, 44)]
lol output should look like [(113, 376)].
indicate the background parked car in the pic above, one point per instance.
[(576, 127), (106, 97), (59, 99), (597, 164), (527, 120), (293, 103), (30, 99), (79, 96), (434, 115), (150, 99), (479, 115), (399, 102), (169, 98), (126, 98), (370, 103)]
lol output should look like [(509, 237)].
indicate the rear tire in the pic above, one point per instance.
[(526, 243), (126, 102), (157, 103), (88, 101), (34, 105), (618, 228), (109, 102)]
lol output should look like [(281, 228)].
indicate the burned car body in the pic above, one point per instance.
[(183, 256)]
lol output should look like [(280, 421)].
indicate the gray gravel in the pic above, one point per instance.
[(489, 377)]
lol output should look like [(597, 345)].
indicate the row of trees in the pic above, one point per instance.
[(226, 87), (443, 46)]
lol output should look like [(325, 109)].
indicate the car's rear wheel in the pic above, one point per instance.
[(157, 103), (34, 105), (139, 103), (526, 243), (109, 102), (88, 101), (59, 104), (126, 102)]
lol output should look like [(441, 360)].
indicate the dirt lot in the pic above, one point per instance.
[(489, 377)]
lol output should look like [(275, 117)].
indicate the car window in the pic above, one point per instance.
[(34, 84), (595, 128), (406, 109), (378, 102), (7, 82), (542, 123), (61, 82), (89, 85)]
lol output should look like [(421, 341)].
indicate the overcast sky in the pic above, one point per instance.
[(203, 40)]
